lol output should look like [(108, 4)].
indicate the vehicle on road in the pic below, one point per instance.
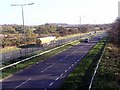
[(100, 37), (86, 40)]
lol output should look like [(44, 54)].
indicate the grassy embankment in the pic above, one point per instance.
[(108, 74), (11, 70), (79, 79)]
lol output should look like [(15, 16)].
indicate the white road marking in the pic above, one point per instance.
[(66, 70), (75, 62), (74, 51), (72, 64), (69, 54), (48, 67), (22, 83), (69, 67), (64, 57), (61, 74), (56, 78), (51, 84)]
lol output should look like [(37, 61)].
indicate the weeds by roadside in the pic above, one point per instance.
[(108, 74)]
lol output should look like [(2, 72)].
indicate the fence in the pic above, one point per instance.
[(20, 54)]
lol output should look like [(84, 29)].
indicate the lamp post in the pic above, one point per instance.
[(22, 10), (22, 5), (80, 18)]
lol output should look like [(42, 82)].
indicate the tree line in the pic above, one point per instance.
[(115, 32), (16, 35)]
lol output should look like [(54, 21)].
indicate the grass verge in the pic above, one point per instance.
[(11, 70), (79, 79), (108, 74)]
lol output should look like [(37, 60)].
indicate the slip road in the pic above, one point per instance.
[(50, 73)]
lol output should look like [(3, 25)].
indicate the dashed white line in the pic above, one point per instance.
[(22, 83), (51, 84), (75, 62), (56, 78), (66, 70), (64, 58), (69, 54), (72, 64), (61, 74), (74, 51), (47, 67), (69, 67)]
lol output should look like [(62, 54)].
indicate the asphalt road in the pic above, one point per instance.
[(14, 55), (50, 73)]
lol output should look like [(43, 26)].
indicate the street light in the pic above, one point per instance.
[(22, 11), (22, 5), (80, 18)]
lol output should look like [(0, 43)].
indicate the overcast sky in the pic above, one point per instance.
[(59, 11)]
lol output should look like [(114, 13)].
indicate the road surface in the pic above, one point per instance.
[(50, 73)]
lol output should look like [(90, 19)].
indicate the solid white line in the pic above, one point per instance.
[(48, 67), (51, 84), (22, 83)]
